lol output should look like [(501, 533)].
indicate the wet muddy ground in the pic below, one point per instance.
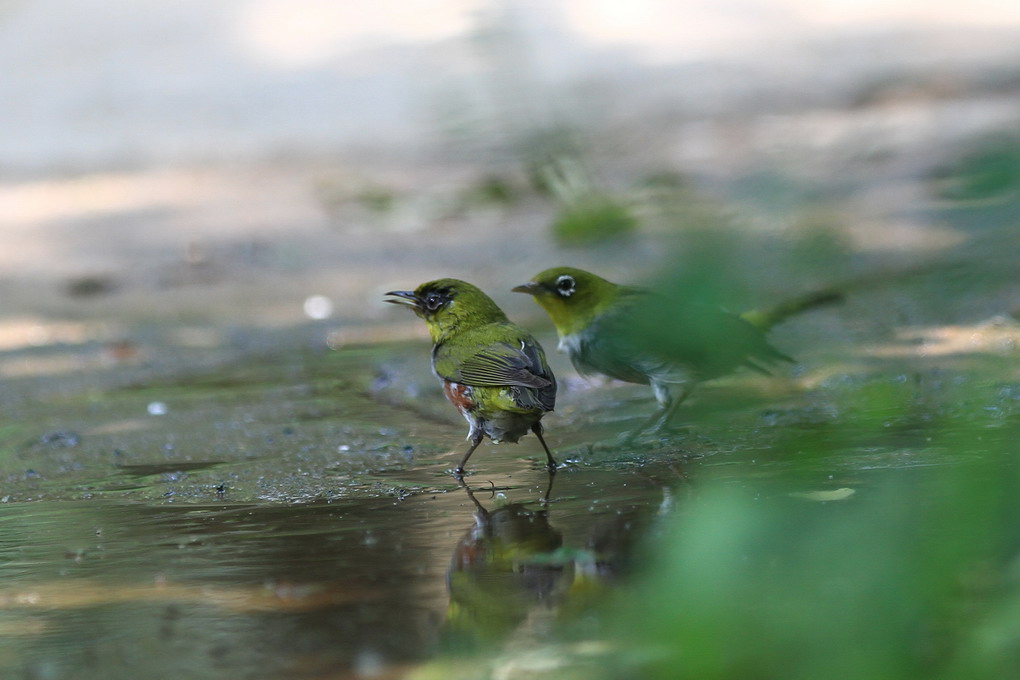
[(293, 515), (293, 518)]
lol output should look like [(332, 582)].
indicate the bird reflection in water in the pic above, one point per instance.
[(512, 575)]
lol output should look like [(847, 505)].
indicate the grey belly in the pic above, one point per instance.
[(504, 426)]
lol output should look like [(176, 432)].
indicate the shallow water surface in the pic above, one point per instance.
[(105, 588), (297, 519)]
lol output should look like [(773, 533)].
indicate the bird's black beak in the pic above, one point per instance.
[(407, 298), (530, 288)]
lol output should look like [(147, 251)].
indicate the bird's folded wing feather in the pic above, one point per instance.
[(497, 365), (521, 367), (501, 365)]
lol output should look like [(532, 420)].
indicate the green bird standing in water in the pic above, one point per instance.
[(633, 335), (492, 370)]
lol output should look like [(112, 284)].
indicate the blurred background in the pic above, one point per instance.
[(200, 201), (184, 178)]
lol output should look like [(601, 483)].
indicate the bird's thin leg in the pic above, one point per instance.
[(551, 462), (668, 405), (476, 439), (665, 399), (669, 411), (549, 487), (649, 423)]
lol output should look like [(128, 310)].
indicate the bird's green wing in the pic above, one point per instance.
[(517, 363), (501, 365), (652, 338)]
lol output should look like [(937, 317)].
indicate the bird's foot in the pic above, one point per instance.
[(671, 430), (549, 466), (649, 436)]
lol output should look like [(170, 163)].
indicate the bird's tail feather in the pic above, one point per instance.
[(771, 316)]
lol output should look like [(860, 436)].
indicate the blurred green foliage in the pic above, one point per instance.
[(818, 244), (336, 194), (543, 151), (989, 171), (594, 219), (492, 190), (915, 577), (913, 573), (376, 199), (587, 214)]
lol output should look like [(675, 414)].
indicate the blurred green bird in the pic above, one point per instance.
[(635, 335), (492, 370)]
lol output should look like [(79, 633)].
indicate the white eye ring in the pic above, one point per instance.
[(565, 285)]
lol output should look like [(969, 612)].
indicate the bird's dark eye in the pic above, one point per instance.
[(433, 301), (565, 285)]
